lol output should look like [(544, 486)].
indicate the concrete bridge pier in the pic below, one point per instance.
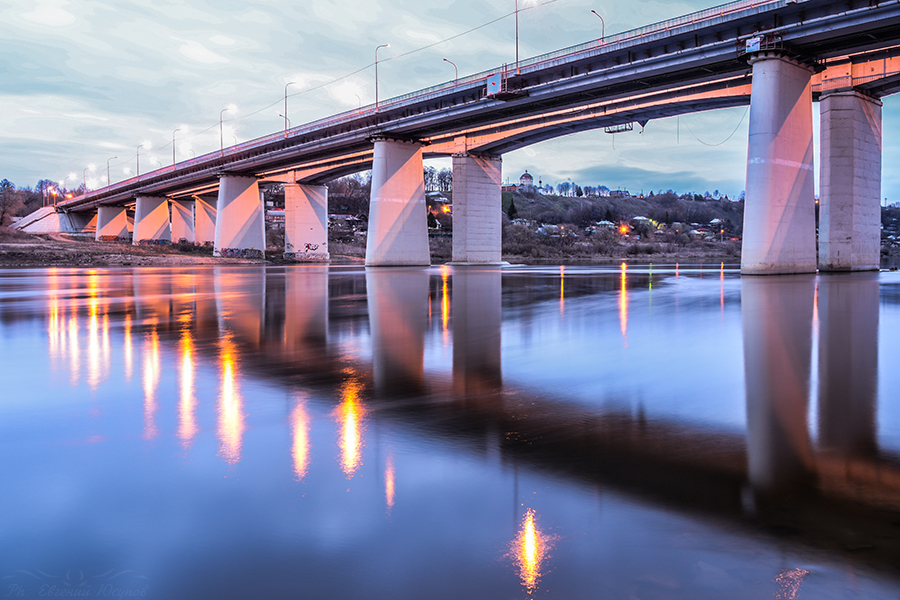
[(850, 182), (305, 222), (205, 211), (777, 317), (476, 310), (477, 208), (183, 220), (398, 225), (848, 364), (240, 220), (151, 220), (779, 211), (113, 223)]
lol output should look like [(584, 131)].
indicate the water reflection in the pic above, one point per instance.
[(389, 482), (187, 405), (231, 405), (529, 551), (477, 311), (150, 380), (623, 304), (300, 446), (350, 416)]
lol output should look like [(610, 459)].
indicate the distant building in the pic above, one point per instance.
[(526, 180)]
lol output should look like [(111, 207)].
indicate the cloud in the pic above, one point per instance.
[(198, 52)]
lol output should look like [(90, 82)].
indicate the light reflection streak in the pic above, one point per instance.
[(351, 414), (529, 550), (562, 290), (445, 305), (389, 482), (93, 346), (790, 581), (722, 288), (128, 350), (151, 373), (187, 405), (55, 332), (231, 407), (74, 348), (623, 305), (300, 448)]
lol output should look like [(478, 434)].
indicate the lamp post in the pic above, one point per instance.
[(108, 180), (228, 108), (517, 37), (455, 70), (602, 25), (90, 168), (376, 72), (286, 120), (173, 145), (139, 161)]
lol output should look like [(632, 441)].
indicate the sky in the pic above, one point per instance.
[(88, 80)]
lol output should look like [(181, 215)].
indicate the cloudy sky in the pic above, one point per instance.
[(88, 80)]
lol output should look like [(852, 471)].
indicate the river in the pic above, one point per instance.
[(634, 432)]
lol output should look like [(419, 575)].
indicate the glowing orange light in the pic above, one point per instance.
[(445, 305), (562, 290), (151, 382), (55, 333), (623, 304), (350, 415), (300, 448), (676, 269), (529, 550), (187, 405), (231, 407), (389, 482), (446, 209), (93, 347), (128, 350), (623, 229)]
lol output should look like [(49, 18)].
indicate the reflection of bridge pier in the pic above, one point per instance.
[(476, 331), (240, 302), (306, 311), (848, 364), (398, 317), (777, 316)]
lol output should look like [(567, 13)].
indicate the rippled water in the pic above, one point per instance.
[(311, 432)]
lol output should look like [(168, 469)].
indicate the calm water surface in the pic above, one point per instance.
[(311, 432)]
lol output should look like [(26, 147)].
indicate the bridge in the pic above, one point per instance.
[(777, 56)]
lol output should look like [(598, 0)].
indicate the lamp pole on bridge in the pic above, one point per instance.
[(602, 25), (173, 145), (139, 161), (108, 179), (455, 69), (90, 168), (228, 108), (517, 37), (287, 121), (376, 72)]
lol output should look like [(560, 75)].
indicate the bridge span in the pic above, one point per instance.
[(777, 56)]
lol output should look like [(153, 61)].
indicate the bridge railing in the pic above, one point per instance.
[(586, 50)]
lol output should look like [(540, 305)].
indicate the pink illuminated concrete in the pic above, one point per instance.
[(240, 222), (779, 212), (183, 221), (850, 182), (398, 226), (151, 220), (205, 211), (305, 222), (113, 223), (477, 209)]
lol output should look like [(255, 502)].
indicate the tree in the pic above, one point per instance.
[(563, 188), (431, 180), (578, 191), (445, 180), (512, 212)]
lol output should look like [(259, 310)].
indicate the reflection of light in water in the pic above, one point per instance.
[(722, 287), (55, 332), (676, 269), (93, 347), (300, 449), (231, 416), (529, 550), (790, 581), (350, 415), (187, 406), (445, 305), (128, 350), (389, 482), (623, 306), (562, 289), (151, 382), (107, 353), (816, 309), (74, 348)]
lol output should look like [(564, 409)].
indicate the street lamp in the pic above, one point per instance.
[(286, 120), (376, 72), (228, 108), (517, 37), (455, 69), (108, 180), (173, 145), (90, 168), (602, 25)]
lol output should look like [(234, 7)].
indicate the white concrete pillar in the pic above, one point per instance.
[(151, 220), (113, 223), (476, 310), (398, 219), (398, 319), (305, 222), (183, 221), (848, 364), (205, 211), (779, 210), (850, 182), (777, 316), (477, 209), (240, 222)]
